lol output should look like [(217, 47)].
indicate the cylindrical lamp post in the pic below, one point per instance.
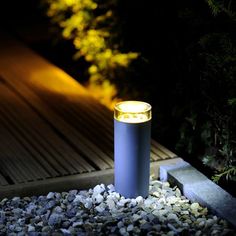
[(132, 135)]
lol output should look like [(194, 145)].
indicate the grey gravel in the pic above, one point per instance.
[(102, 211)]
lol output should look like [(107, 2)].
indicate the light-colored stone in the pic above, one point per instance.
[(139, 200), (50, 195), (96, 212), (130, 228), (99, 189), (31, 228), (97, 198), (172, 216), (195, 206)]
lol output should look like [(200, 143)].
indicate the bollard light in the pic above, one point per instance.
[(132, 136)]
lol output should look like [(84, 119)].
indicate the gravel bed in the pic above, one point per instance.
[(102, 211)]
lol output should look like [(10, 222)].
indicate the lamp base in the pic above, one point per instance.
[(132, 158)]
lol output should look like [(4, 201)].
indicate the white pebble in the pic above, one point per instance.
[(78, 198), (120, 224), (139, 200), (177, 192), (97, 198), (50, 195), (185, 213), (209, 222), (201, 224), (172, 199), (156, 194), (194, 206), (111, 188), (122, 231), (170, 233), (78, 223), (156, 213), (115, 196), (122, 202), (163, 212), (165, 184), (65, 231), (172, 216), (100, 208), (136, 217), (99, 189), (110, 203), (176, 209), (148, 202), (89, 203), (198, 233), (132, 203), (130, 228), (31, 228)]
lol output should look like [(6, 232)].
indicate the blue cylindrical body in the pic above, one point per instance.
[(132, 158)]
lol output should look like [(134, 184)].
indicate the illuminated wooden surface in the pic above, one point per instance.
[(53, 134)]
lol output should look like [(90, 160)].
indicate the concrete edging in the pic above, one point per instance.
[(197, 187)]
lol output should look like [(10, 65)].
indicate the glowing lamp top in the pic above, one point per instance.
[(132, 111)]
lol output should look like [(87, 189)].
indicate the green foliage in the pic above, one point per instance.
[(228, 173), (225, 6), (219, 55), (211, 123), (232, 102), (90, 25)]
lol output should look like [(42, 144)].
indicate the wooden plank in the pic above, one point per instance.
[(23, 130), (43, 78), (21, 157), (159, 153), (39, 142), (25, 126), (154, 157), (93, 109), (90, 128), (77, 140), (25, 173), (41, 133), (94, 121), (44, 132), (50, 171), (65, 117), (104, 113), (3, 181), (7, 158), (101, 113), (157, 145), (10, 169), (79, 118), (24, 161)]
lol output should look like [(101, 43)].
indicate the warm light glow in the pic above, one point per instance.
[(82, 22), (105, 92), (132, 111)]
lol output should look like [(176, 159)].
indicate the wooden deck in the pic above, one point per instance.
[(53, 135)]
